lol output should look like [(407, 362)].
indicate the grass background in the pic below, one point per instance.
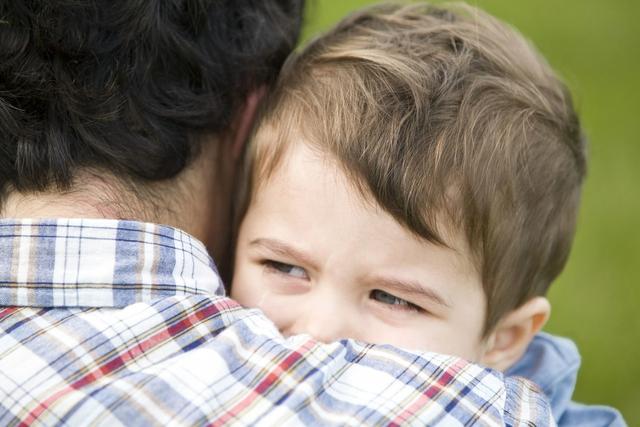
[(595, 46)]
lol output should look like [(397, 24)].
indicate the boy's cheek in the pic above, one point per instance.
[(248, 288), (245, 284), (281, 310)]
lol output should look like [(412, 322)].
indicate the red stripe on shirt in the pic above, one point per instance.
[(4, 312), (123, 358), (265, 384), (429, 393)]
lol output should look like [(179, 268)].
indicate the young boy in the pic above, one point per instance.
[(414, 180)]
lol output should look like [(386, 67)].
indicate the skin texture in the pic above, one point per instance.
[(318, 258)]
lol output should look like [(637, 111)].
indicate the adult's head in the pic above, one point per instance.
[(130, 108)]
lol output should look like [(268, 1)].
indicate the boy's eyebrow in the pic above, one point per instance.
[(284, 249), (411, 287)]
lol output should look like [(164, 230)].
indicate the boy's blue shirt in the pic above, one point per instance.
[(552, 362)]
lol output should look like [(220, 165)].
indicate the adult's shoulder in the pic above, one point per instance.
[(203, 359)]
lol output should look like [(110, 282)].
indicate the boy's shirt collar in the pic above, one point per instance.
[(552, 363)]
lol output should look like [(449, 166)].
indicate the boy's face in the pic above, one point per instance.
[(320, 260)]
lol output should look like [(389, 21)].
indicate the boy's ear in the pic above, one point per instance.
[(513, 333)]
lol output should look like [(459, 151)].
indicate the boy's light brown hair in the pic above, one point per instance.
[(451, 122)]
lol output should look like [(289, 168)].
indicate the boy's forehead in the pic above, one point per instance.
[(305, 182), (278, 145), (275, 147)]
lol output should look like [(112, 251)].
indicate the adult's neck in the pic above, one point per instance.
[(187, 202), (51, 205), (92, 196)]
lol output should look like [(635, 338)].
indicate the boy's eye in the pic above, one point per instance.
[(288, 269), (391, 300)]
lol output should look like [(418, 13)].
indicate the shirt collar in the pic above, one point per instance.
[(99, 263)]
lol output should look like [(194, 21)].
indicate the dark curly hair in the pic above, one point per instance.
[(127, 85)]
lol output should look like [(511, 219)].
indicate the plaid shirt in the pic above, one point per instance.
[(106, 322)]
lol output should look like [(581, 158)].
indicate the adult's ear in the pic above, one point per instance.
[(243, 121), (513, 333)]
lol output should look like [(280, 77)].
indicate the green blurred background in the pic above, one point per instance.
[(595, 46)]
